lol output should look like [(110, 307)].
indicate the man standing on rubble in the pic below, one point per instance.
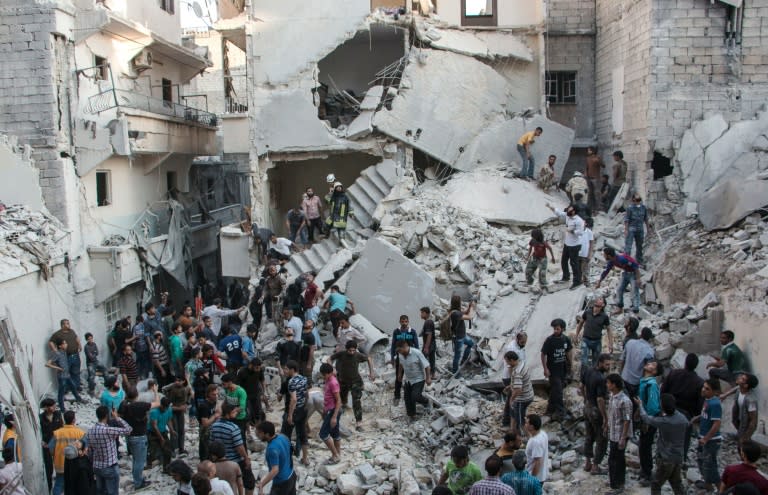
[(524, 145), (593, 321), (636, 354), (630, 276), (685, 386), (595, 394), (672, 426), (459, 330), (338, 211), (594, 170), (313, 209), (635, 223), (350, 381), (414, 368), (73, 350), (574, 227), (618, 429), (403, 332), (556, 360)]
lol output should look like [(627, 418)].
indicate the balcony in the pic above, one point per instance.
[(122, 99)]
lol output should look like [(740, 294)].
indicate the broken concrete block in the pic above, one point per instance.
[(367, 473), (739, 256), (454, 414), (334, 471), (384, 279), (372, 98), (708, 301), (350, 484), (475, 43), (731, 200), (680, 326), (362, 126), (439, 424), (664, 351), (740, 235)]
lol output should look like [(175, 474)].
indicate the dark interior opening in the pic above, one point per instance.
[(661, 165)]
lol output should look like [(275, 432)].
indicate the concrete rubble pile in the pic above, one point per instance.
[(28, 239)]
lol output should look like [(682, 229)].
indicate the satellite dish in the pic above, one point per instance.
[(197, 9)]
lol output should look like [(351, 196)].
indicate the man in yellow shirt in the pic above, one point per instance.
[(68, 434), (526, 155)]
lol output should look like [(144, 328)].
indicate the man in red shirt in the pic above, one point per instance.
[(329, 431), (746, 472)]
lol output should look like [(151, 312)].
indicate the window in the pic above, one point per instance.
[(210, 189), (167, 91), (101, 67), (103, 188), (112, 311), (479, 13), (167, 5), (170, 180), (561, 87)]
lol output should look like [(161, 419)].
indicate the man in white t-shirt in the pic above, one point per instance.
[(279, 248), (587, 249), (537, 448)]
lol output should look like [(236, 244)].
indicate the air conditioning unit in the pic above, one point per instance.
[(143, 60)]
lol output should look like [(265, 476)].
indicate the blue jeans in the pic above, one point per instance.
[(628, 278), (526, 170), (326, 430), (58, 484), (590, 350), (457, 355), (107, 479), (67, 384), (299, 236), (636, 234), (93, 368), (137, 445), (74, 369), (707, 461)]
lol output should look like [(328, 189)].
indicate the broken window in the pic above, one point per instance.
[(661, 165), (100, 63), (103, 188), (167, 91), (170, 180), (167, 5), (561, 86), (112, 311), (479, 13)]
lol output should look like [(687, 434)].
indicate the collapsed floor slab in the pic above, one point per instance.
[(482, 44), (730, 201), (501, 200), (385, 284)]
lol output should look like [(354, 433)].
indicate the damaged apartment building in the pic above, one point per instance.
[(107, 203)]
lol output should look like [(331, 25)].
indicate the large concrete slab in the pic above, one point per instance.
[(500, 200), (385, 284), (730, 201), (475, 43), (439, 110), (504, 315)]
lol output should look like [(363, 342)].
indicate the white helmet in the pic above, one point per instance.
[(330, 178), (577, 174)]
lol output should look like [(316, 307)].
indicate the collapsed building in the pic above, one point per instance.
[(416, 107)]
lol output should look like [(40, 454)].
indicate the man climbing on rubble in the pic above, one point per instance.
[(547, 175), (336, 305), (279, 248), (731, 361), (350, 381), (346, 333), (313, 209), (459, 330), (618, 429), (594, 170), (635, 224), (630, 276), (556, 358), (595, 394), (574, 227), (296, 222), (594, 321), (403, 332), (339, 210), (619, 174), (524, 145), (414, 368), (537, 258), (577, 185)]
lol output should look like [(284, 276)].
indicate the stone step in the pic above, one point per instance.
[(376, 179), (387, 170), (370, 188), (359, 196)]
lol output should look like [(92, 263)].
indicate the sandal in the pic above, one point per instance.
[(331, 462)]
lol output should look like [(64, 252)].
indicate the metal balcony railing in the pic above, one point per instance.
[(117, 98)]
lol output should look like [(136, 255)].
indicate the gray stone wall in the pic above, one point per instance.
[(568, 52), (34, 95), (571, 16)]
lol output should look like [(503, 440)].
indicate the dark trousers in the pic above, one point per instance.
[(74, 369), (617, 466), (299, 422), (356, 389), (398, 378), (275, 255), (571, 259), (162, 451), (48, 461), (312, 224), (178, 419), (202, 446), (647, 435), (595, 443), (667, 471), (287, 487), (556, 404), (255, 410), (413, 394)]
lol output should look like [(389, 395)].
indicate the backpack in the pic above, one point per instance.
[(446, 328)]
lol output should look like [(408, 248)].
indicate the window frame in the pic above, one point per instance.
[(168, 6), (107, 200), (112, 308), (561, 82), (102, 69), (480, 20)]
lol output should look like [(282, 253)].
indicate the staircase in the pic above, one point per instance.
[(368, 190)]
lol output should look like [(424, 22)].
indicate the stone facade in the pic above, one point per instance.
[(36, 105)]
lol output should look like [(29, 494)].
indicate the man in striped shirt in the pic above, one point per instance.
[(101, 442), (520, 391), (226, 431)]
